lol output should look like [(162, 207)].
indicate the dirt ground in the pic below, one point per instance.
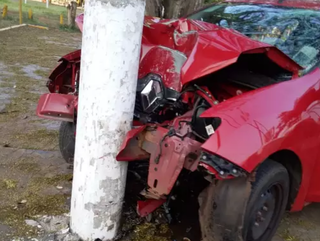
[(34, 180)]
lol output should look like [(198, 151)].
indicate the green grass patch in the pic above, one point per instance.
[(9, 183), (47, 17), (66, 28), (27, 165), (37, 7), (41, 139), (151, 232)]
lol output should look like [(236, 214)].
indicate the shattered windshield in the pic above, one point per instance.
[(294, 31)]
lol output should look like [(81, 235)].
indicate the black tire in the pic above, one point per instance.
[(235, 209), (67, 141), (270, 191)]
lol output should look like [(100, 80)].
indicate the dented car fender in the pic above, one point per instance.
[(252, 129), (63, 70)]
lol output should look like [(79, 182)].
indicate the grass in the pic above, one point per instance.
[(39, 48), (41, 139), (48, 17), (38, 8), (10, 183), (34, 182), (66, 28), (151, 232), (15, 215), (27, 177)]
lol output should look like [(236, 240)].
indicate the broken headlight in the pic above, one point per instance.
[(223, 168)]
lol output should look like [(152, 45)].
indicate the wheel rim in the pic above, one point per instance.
[(266, 212)]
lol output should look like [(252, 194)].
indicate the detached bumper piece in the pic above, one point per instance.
[(221, 168), (56, 107)]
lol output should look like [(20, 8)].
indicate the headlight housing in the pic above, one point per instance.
[(224, 169)]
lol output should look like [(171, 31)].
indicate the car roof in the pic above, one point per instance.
[(307, 4)]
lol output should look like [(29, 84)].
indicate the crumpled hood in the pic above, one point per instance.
[(206, 47)]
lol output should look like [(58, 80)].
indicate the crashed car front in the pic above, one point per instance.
[(235, 88), (220, 94)]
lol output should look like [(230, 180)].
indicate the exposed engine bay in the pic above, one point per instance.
[(180, 127), (155, 103)]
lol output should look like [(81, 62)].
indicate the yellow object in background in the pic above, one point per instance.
[(30, 14), (37, 26), (5, 11), (61, 19)]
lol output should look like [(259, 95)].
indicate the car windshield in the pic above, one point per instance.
[(294, 31)]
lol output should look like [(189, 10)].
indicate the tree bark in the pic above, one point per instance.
[(180, 8), (72, 12), (154, 8), (193, 5), (172, 9)]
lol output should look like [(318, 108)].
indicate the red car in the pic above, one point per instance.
[(227, 92)]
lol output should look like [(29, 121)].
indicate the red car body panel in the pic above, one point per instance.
[(216, 48), (144, 208), (271, 126), (254, 125), (180, 52), (207, 48), (65, 69), (168, 154), (57, 107)]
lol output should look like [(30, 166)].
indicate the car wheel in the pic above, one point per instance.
[(67, 141), (267, 203), (245, 209)]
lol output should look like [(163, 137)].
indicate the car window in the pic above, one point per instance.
[(294, 31)]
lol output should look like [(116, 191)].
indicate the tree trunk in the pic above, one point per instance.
[(72, 12), (154, 8), (173, 8), (180, 8), (193, 5)]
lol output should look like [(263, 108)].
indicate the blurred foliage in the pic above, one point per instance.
[(211, 1)]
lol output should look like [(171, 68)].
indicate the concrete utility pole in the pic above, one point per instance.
[(111, 45)]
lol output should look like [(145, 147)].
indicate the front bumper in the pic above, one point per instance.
[(168, 151)]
